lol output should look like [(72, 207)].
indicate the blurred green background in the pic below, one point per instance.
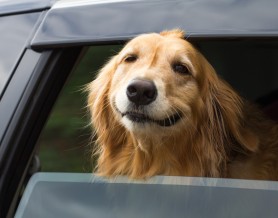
[(65, 143)]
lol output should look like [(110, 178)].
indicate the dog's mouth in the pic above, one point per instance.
[(142, 118)]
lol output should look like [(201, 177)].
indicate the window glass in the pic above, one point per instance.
[(84, 195), (15, 31)]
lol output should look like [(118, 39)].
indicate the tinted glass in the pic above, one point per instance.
[(84, 195), (15, 31)]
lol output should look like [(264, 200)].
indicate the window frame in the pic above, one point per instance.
[(46, 77)]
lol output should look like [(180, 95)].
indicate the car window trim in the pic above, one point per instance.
[(18, 143)]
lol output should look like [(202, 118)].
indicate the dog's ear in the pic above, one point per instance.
[(227, 120), (178, 33), (108, 131)]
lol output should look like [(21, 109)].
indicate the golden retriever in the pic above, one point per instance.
[(159, 108)]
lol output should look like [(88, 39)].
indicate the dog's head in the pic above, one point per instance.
[(153, 87), (154, 83), (159, 87)]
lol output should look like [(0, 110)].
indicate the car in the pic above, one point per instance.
[(43, 41)]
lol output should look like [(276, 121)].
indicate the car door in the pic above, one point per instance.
[(54, 38)]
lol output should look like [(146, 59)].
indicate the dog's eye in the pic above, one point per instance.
[(180, 68), (130, 58)]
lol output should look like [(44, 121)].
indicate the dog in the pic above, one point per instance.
[(159, 108)]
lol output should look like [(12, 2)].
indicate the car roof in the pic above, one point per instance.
[(8, 7), (96, 21)]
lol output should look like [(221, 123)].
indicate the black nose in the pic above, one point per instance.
[(141, 91)]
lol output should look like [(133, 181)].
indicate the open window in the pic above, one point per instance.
[(65, 143)]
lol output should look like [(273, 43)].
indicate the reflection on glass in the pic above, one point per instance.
[(85, 195)]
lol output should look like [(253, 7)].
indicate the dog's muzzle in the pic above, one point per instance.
[(141, 93)]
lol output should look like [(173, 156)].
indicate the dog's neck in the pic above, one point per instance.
[(156, 155)]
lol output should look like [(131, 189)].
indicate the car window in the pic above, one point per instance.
[(15, 32), (65, 144)]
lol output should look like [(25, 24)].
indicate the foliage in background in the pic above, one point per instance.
[(65, 141)]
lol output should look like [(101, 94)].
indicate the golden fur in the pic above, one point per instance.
[(219, 133)]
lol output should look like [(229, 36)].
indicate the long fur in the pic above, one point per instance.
[(226, 136)]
